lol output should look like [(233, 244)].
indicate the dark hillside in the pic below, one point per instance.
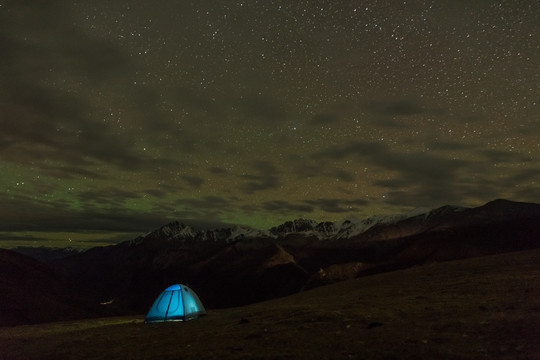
[(478, 308), (32, 292), (245, 270)]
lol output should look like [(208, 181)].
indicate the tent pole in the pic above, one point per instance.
[(183, 305), (168, 306)]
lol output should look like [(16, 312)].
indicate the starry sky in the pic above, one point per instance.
[(117, 117)]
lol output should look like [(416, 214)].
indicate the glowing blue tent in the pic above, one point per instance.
[(176, 303)]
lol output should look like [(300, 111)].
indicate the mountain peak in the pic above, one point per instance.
[(294, 226), (327, 230)]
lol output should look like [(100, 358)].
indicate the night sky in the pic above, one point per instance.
[(117, 117)]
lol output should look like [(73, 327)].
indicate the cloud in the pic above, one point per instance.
[(207, 202), (266, 177), (333, 114), (204, 212), (156, 193), (395, 107), (432, 174), (303, 167), (281, 206), (108, 197), (337, 205), (306, 167), (396, 112), (20, 237), (197, 101), (195, 182), (444, 145), (344, 175), (526, 175), (70, 172), (27, 214), (352, 148), (324, 119), (304, 207), (414, 166), (217, 170), (527, 194), (41, 48), (500, 156), (39, 38)]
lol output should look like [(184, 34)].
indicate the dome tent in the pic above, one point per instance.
[(176, 303)]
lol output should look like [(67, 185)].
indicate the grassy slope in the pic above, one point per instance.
[(482, 308)]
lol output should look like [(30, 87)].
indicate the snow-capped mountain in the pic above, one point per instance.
[(374, 228), (327, 230), (238, 265), (187, 234), (341, 229)]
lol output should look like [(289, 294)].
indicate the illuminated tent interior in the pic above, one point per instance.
[(176, 303)]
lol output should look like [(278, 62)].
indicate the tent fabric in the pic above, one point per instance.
[(176, 303)]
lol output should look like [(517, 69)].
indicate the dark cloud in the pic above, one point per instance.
[(281, 206), (20, 237), (390, 123), (120, 220), (333, 114), (194, 181), (204, 212), (192, 99), (527, 194), (344, 175), (419, 198), (208, 209), (156, 193), (398, 113), (523, 176), (41, 47), (397, 107), (39, 38), (337, 206), (304, 167), (266, 177), (324, 119), (108, 197), (352, 148), (413, 166), (207, 202), (500, 156), (217, 170), (444, 145), (71, 172), (58, 215), (107, 239), (466, 189), (433, 179), (334, 206), (430, 173), (423, 168)]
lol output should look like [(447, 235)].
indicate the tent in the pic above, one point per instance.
[(176, 303)]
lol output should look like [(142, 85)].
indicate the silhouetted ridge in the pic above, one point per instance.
[(238, 265)]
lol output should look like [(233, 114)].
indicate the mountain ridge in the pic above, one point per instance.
[(324, 230), (237, 265), (216, 261)]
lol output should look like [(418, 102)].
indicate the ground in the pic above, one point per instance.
[(480, 308)]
